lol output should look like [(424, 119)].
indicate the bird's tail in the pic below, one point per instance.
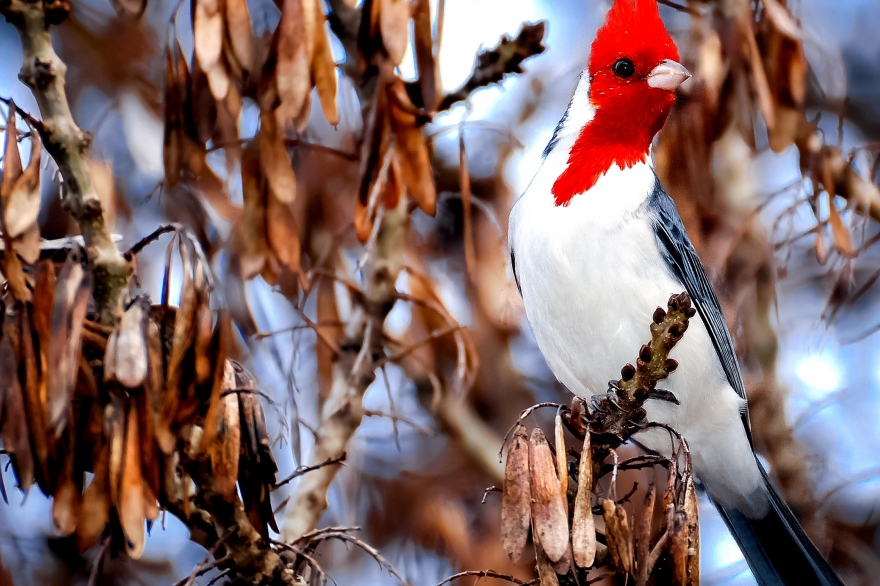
[(776, 547)]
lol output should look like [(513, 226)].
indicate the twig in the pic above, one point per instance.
[(506, 57), (487, 491), (679, 7), (149, 239), (305, 469), (488, 574)]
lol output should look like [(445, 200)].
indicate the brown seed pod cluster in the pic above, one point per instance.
[(554, 493)]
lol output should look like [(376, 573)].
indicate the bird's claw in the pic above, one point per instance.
[(662, 395)]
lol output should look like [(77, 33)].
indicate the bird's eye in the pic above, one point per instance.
[(623, 68)]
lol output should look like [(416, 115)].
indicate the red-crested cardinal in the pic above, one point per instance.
[(597, 245)]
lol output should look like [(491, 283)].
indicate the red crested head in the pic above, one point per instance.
[(634, 72)]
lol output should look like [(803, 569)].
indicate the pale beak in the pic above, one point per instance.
[(668, 75)]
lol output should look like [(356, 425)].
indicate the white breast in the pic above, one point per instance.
[(591, 275)]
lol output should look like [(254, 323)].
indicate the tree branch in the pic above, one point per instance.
[(353, 372), (43, 72)]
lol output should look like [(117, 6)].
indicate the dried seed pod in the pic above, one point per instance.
[(131, 360), (546, 573), (690, 509), (678, 549), (548, 512), (643, 537), (561, 460), (583, 531), (515, 500), (618, 534)]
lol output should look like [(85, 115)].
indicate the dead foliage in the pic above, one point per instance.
[(549, 494)]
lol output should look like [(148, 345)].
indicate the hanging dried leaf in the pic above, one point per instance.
[(131, 347), (394, 18), (22, 202), (131, 504), (292, 59), (515, 502), (323, 70), (225, 451), (643, 535), (174, 142), (693, 521), (12, 170), (114, 431), (678, 549), (275, 162), (583, 531), (208, 39), (15, 431), (561, 460), (95, 512), (618, 535), (241, 35), (34, 400), (548, 512), (72, 293), (414, 160), (66, 507), (546, 573), (424, 49)]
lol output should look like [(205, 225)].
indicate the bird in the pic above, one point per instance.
[(596, 245)]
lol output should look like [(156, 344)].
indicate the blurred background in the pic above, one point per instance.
[(795, 269)]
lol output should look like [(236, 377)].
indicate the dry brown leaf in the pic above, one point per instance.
[(842, 238), (643, 536), (515, 501), (561, 460), (548, 512), (225, 451), (424, 49), (114, 431), (241, 35), (12, 170), (414, 160), (323, 70), (693, 521), (546, 572), (131, 504), (66, 507), (618, 535), (782, 19), (95, 511), (22, 203), (131, 347), (275, 162), (72, 293), (208, 40), (34, 400), (394, 16), (15, 431), (292, 60), (174, 135), (759, 76), (583, 531), (281, 233), (678, 549)]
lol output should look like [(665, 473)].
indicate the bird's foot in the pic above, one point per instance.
[(662, 395)]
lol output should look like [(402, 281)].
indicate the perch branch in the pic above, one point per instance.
[(43, 72)]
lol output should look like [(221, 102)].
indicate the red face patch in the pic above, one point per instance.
[(629, 112)]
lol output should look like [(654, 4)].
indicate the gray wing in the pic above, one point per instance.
[(685, 265)]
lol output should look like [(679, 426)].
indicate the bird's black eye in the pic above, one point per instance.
[(623, 68)]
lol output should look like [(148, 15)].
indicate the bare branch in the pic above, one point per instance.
[(43, 72)]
